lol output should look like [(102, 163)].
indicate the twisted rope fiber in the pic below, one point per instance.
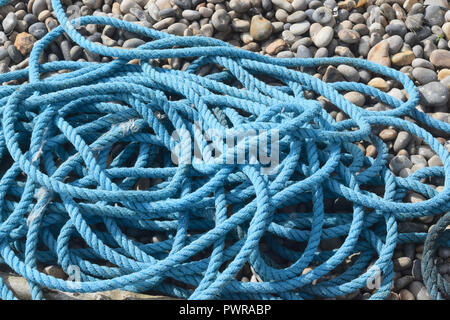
[(76, 145)]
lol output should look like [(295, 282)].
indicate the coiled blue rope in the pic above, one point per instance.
[(76, 144)]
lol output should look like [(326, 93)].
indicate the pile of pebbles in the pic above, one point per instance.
[(412, 36)]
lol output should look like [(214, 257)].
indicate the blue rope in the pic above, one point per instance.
[(75, 144)]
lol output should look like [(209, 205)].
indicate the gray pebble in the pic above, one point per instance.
[(14, 54), (424, 75), (396, 27), (303, 52), (240, 5), (3, 53), (323, 37), (220, 20), (434, 15), (435, 161), (414, 21), (297, 16), (3, 38), (395, 44), (191, 15), (322, 15), (133, 43), (126, 5), (177, 28), (402, 263), (321, 53), (355, 97), (38, 30), (422, 63), (300, 28), (419, 290), (183, 4), (38, 7), (93, 4), (398, 163), (434, 94), (349, 73), (9, 23), (401, 141), (403, 282)]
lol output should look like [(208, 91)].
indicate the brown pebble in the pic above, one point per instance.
[(405, 294), (276, 46), (24, 43), (371, 151)]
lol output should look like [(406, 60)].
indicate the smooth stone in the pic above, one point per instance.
[(126, 5), (38, 7), (357, 98), (177, 28), (321, 53), (133, 43), (434, 15), (295, 17), (3, 38), (398, 163), (403, 282), (349, 36), (397, 27), (364, 46), (379, 83), (403, 58), (9, 22), (183, 4), (402, 141), (191, 15), (240, 25), (402, 263), (300, 28), (283, 4), (422, 63), (303, 52), (221, 20), (38, 30), (441, 3), (388, 134), (332, 75), (260, 28), (395, 44), (446, 30), (419, 290), (435, 161), (240, 5), (349, 73), (417, 270), (380, 54), (424, 75), (343, 52), (3, 53), (406, 295), (414, 21), (440, 58), (443, 73), (14, 54), (322, 15), (323, 37), (434, 94), (93, 4), (300, 4)]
